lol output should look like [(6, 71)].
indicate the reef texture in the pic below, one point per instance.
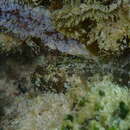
[(43, 112), (95, 106), (55, 74), (96, 21), (87, 105), (57, 91), (52, 86), (26, 22), (8, 43)]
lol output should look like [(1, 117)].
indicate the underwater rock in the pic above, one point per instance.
[(24, 22)]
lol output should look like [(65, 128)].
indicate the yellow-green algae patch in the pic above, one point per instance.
[(98, 105), (104, 22)]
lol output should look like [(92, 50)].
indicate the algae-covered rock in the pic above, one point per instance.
[(8, 43), (61, 90), (23, 21), (49, 78), (100, 104), (43, 112), (91, 22), (88, 105), (104, 22), (55, 74)]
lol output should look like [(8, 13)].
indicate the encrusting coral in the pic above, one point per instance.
[(90, 21)]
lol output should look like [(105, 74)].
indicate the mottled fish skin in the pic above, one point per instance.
[(23, 22)]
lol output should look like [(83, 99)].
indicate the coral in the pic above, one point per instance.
[(98, 105), (93, 21)]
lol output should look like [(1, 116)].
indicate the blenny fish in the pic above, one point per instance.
[(24, 21)]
